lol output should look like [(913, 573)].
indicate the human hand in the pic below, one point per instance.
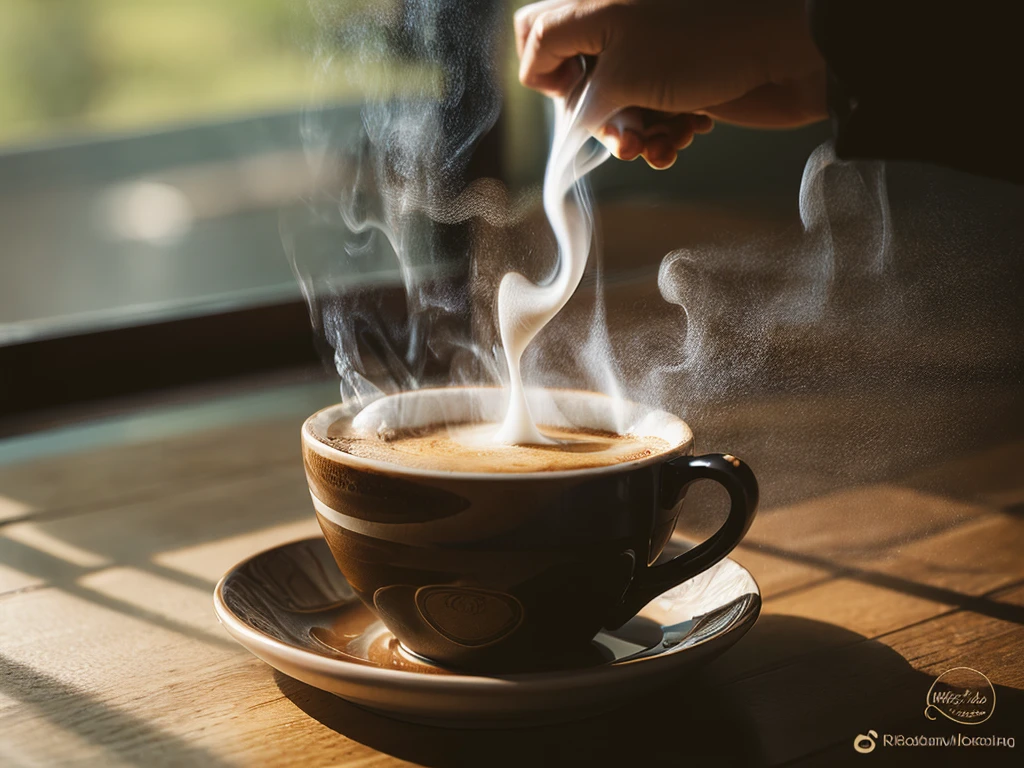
[(667, 68)]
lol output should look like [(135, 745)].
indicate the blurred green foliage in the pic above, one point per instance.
[(85, 66)]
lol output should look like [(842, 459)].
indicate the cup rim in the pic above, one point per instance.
[(310, 441)]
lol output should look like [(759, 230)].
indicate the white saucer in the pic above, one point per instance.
[(291, 607)]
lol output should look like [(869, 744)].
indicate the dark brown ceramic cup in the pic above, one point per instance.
[(509, 572)]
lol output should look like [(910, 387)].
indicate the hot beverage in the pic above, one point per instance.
[(500, 558)]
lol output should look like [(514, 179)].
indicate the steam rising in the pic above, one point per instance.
[(525, 308), (875, 329), (792, 282), (396, 187)]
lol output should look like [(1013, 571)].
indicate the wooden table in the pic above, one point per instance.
[(114, 532)]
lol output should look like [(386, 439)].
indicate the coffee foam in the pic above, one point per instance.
[(572, 420), (471, 448)]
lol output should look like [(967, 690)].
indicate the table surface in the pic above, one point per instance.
[(114, 532)]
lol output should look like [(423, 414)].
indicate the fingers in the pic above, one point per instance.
[(624, 143), (524, 18), (551, 36), (557, 34), (559, 83), (666, 137), (655, 136), (703, 124)]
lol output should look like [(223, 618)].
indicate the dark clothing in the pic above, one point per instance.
[(938, 82)]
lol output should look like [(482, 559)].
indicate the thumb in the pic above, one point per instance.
[(556, 37)]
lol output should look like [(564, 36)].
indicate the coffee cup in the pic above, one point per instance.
[(489, 568)]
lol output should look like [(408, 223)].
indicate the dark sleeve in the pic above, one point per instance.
[(936, 82)]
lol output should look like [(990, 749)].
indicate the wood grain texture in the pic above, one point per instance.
[(777, 575), (863, 608), (142, 534), (142, 694), (975, 558), (855, 524), (961, 638), (110, 653), (118, 474), (965, 638)]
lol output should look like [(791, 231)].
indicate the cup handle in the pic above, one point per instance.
[(677, 475)]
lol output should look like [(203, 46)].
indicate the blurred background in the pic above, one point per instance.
[(145, 148), (147, 151), (150, 150)]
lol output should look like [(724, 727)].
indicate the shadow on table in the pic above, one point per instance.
[(793, 688), (664, 728), (114, 735)]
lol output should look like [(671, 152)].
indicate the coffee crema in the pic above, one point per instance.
[(471, 448)]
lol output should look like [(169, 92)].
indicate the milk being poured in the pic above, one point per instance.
[(524, 308)]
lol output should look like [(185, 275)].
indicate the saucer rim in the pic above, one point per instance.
[(457, 681)]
